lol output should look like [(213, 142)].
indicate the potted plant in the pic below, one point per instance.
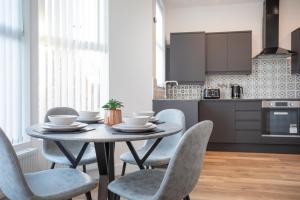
[(113, 114)]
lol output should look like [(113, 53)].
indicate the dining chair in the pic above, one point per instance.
[(178, 180), (165, 149), (52, 153), (55, 184)]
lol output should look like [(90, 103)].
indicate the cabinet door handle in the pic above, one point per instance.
[(281, 113)]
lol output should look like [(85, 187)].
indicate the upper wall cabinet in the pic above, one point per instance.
[(229, 53), (187, 57), (296, 48)]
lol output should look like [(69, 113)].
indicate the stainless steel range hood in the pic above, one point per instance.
[(271, 32)]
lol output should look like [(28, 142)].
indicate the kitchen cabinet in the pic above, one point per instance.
[(167, 73), (187, 57), (296, 47), (248, 122), (216, 52), (188, 107), (222, 114), (239, 52), (229, 52)]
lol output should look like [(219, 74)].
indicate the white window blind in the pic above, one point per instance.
[(160, 44), (13, 70), (73, 54)]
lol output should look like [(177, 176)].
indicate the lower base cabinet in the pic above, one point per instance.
[(222, 115)]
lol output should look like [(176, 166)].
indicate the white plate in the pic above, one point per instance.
[(135, 126), (89, 119), (75, 128), (119, 127), (51, 124)]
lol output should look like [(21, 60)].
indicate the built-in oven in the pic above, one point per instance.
[(281, 118)]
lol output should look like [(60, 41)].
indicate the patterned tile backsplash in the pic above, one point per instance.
[(270, 78)]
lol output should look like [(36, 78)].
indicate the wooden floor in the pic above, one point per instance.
[(247, 176)]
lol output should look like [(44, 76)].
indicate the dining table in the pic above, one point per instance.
[(104, 138)]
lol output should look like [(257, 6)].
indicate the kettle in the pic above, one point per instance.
[(236, 91)]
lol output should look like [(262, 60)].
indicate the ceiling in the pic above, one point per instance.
[(193, 3)]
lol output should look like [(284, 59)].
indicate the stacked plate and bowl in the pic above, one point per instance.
[(71, 122), (139, 122), (63, 123)]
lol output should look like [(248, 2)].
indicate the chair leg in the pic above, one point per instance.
[(52, 165), (88, 196), (116, 197), (186, 198), (84, 168), (123, 169)]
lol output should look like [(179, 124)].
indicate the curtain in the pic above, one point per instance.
[(73, 54), (160, 44), (13, 70)]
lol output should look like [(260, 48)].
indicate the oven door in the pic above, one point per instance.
[(281, 121)]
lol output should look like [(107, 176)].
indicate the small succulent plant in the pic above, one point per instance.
[(113, 104)]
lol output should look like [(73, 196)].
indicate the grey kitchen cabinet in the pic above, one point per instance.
[(248, 122), (187, 57), (229, 52), (167, 63), (296, 47), (239, 52), (222, 114), (216, 52), (188, 107)]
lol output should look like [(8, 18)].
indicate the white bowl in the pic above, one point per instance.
[(136, 121), (62, 119), (149, 113), (88, 114)]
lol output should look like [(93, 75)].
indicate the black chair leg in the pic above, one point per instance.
[(186, 198), (116, 197), (123, 169), (84, 168), (88, 196), (52, 165)]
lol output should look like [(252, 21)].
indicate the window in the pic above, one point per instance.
[(160, 44), (14, 77), (73, 54)]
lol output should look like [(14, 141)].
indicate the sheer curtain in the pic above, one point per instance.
[(73, 54), (160, 44), (13, 70)]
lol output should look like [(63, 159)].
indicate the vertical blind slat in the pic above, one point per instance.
[(12, 70)]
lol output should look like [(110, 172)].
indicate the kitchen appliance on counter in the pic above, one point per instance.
[(281, 118), (236, 91), (211, 93)]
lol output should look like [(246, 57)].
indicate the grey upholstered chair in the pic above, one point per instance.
[(52, 153), (166, 148), (178, 180), (56, 184)]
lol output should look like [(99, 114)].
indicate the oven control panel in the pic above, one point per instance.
[(280, 104)]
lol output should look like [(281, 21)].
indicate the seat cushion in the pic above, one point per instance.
[(138, 185), (59, 183), (156, 158), (88, 157)]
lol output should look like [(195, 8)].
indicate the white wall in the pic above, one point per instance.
[(130, 56), (211, 18), (289, 20), (234, 17)]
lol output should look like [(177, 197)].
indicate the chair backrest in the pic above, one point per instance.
[(49, 147), (12, 180), (185, 167), (171, 116), (60, 111)]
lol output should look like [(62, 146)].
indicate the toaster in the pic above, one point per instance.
[(211, 94)]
